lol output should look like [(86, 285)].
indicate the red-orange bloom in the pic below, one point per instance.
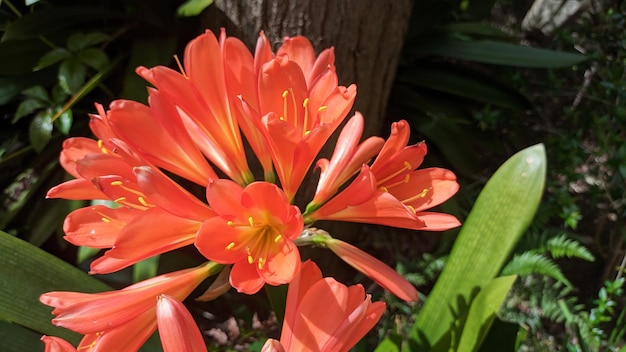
[(324, 315), (347, 159), (299, 105), (123, 319), (56, 344), (390, 191), (254, 231), (373, 268), (202, 102), (177, 329)]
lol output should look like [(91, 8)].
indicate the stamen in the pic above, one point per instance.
[(261, 263), (412, 209), (142, 201), (285, 115), (230, 246), (251, 221), (384, 189), (422, 194), (406, 179), (116, 183), (107, 220), (250, 259), (180, 67), (278, 238), (305, 124), (229, 223), (120, 199), (407, 166)]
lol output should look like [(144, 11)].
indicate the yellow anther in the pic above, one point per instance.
[(424, 192), (278, 238), (384, 189), (107, 220), (408, 165), (261, 263), (100, 143), (229, 223), (142, 201), (407, 177), (306, 132), (251, 221), (120, 199), (305, 103), (282, 118), (412, 209), (250, 259), (116, 183), (322, 108), (285, 93), (230, 246)]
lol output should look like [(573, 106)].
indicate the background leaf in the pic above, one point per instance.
[(193, 7), (27, 272), (502, 212)]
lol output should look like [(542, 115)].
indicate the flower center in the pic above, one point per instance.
[(259, 240)]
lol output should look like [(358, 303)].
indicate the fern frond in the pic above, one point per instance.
[(562, 246), (533, 263)]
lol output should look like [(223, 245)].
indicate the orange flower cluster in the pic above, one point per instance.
[(285, 105)]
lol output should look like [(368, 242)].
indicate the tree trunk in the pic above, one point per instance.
[(368, 38)]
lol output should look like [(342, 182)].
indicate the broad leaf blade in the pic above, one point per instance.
[(499, 53), (27, 272), (483, 311), (502, 212), (16, 338)]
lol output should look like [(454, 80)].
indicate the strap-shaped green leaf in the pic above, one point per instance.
[(502, 212), (26, 273), (483, 311)]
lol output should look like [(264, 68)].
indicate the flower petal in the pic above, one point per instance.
[(282, 266), (177, 329), (245, 279)]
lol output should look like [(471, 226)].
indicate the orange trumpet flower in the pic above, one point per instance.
[(347, 314), (123, 319), (254, 231)]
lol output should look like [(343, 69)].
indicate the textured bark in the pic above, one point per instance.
[(367, 36)]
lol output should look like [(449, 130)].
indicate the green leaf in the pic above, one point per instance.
[(277, 296), (532, 263), (85, 89), (72, 75), (388, 345), (52, 19), (482, 312), (464, 83), (37, 92), (193, 7), (40, 130), (85, 253), (26, 107), (146, 268), (64, 120), (16, 338), (52, 57), (78, 42), (27, 272), (94, 58), (498, 53), (561, 246), (502, 212), (9, 89)]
